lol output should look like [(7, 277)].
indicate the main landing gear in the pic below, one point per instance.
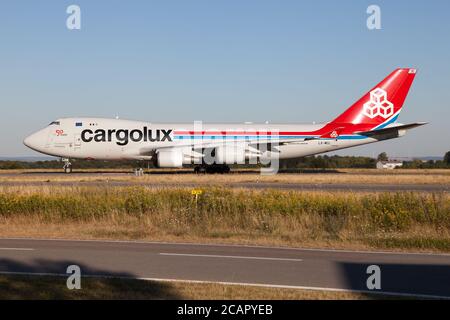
[(67, 166), (214, 168)]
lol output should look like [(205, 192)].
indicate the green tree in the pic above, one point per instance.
[(382, 157), (447, 158)]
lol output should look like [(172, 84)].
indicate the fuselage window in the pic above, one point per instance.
[(54, 123)]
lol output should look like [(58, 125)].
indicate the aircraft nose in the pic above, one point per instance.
[(32, 141)]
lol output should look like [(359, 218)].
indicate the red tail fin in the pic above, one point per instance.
[(383, 103)]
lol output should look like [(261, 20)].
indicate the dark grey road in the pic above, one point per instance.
[(417, 274), (353, 187)]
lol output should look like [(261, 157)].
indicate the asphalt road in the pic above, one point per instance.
[(351, 187), (45, 179), (416, 274)]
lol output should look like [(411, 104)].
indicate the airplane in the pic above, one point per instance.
[(213, 147)]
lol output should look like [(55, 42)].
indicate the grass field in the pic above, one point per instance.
[(403, 176), (397, 221), (53, 287)]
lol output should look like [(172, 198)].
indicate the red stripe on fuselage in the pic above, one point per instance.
[(233, 133), (348, 128)]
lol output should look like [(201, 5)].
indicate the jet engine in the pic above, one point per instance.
[(230, 154), (169, 158)]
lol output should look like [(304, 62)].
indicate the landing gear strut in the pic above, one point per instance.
[(67, 166), (214, 168)]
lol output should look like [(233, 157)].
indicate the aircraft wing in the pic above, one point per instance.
[(192, 149)]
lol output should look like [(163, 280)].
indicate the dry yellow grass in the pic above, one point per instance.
[(416, 240)]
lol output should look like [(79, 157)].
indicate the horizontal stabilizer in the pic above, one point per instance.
[(396, 129)]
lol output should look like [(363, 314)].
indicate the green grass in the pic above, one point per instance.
[(256, 209), (380, 220)]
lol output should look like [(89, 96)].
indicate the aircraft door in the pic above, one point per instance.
[(50, 139), (77, 141)]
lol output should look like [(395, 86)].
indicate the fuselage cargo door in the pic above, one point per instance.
[(77, 142), (50, 139)]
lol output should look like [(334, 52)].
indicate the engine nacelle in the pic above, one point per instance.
[(232, 154), (169, 158)]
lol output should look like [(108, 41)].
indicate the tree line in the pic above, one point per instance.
[(310, 162)]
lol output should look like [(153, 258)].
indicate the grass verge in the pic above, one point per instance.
[(53, 287), (403, 220)]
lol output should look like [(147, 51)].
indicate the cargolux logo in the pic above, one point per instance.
[(378, 105), (123, 136)]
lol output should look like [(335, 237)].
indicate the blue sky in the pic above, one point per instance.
[(221, 60)]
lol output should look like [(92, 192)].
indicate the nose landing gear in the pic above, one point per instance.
[(67, 166)]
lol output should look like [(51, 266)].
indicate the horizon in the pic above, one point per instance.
[(52, 158)]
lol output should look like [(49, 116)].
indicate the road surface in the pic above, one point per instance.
[(45, 179), (351, 187), (410, 274)]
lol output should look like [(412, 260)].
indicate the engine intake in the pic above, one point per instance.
[(169, 159)]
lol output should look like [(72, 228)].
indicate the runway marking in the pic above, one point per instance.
[(262, 285), (227, 257), (18, 249), (231, 246)]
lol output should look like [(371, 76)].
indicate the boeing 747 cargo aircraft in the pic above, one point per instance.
[(371, 119)]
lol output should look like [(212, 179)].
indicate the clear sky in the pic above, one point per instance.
[(221, 60)]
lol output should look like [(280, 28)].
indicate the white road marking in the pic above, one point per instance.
[(227, 257), (232, 246), (17, 249), (262, 285)]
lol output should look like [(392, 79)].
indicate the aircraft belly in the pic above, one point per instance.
[(317, 146)]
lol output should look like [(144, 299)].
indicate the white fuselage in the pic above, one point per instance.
[(114, 139)]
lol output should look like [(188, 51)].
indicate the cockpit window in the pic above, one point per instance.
[(54, 123)]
